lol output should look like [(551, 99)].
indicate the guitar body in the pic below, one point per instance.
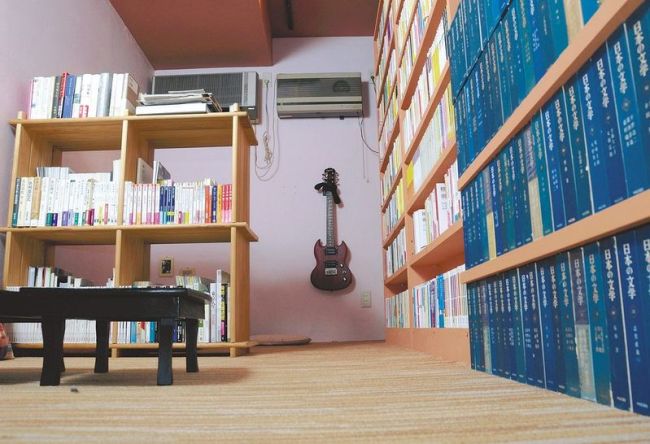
[(331, 271)]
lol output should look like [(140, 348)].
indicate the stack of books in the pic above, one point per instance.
[(195, 101)]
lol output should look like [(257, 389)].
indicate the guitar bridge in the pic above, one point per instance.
[(331, 268)]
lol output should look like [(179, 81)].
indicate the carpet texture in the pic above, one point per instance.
[(345, 392)]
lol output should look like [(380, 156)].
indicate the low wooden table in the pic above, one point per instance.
[(52, 306)]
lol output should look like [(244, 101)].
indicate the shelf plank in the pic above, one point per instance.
[(89, 346), (420, 61), (428, 114), (396, 180), (394, 231), (610, 15), (398, 278), (98, 235), (383, 164), (88, 134), (436, 175), (449, 246), (392, 91), (620, 217)]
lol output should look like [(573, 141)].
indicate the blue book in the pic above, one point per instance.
[(615, 331), (482, 192), (532, 184), (558, 22), (496, 327), (589, 8), (581, 178), (572, 377), (494, 342), (501, 191), (526, 46), (496, 214), (512, 286), (628, 116), (558, 333), (522, 186), (594, 279), (471, 317), (518, 80), (582, 333), (546, 316), (68, 95), (479, 108), (504, 74), (609, 125), (508, 204), (505, 318), (553, 163), (495, 86), (638, 33), (485, 322), (440, 285), (489, 214), (539, 145), (540, 36), (470, 125), (632, 268), (566, 161), (532, 326), (512, 184)]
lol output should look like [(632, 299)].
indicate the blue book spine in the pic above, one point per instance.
[(489, 214), (581, 178), (441, 301), (635, 162), (615, 176), (513, 195), (485, 323), (631, 264), (512, 283), (498, 326), (597, 322), (496, 215), (616, 333), (532, 326), (479, 109), (470, 139), (539, 145), (643, 248), (566, 161), (501, 205), (540, 36), (492, 315), (572, 376), (526, 45), (480, 351), (557, 19), (482, 201), (532, 184), (471, 315), (583, 335), (510, 61), (507, 218), (546, 317), (504, 76), (495, 86), (522, 186), (589, 8), (558, 334), (68, 96), (471, 226), (593, 135), (638, 32), (519, 81), (508, 329), (553, 164), (466, 225)]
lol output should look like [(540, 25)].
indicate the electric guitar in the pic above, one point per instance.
[(331, 271)]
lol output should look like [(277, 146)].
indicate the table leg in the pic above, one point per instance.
[(53, 332), (165, 330), (191, 335), (102, 329)]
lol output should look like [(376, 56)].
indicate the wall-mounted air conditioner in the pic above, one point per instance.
[(319, 95), (227, 88)]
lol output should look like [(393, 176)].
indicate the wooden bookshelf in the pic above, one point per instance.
[(445, 252), (41, 143), (610, 15)]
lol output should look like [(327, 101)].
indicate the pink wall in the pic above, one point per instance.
[(288, 215), (40, 38)]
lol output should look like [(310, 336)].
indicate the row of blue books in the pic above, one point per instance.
[(577, 323), (514, 56), (587, 149)]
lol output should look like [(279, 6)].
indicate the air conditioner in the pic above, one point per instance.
[(319, 95), (227, 88)]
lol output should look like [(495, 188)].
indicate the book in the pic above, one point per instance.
[(144, 172), (572, 376), (512, 286), (178, 108), (539, 145), (565, 158), (545, 281), (551, 134), (531, 326), (159, 173)]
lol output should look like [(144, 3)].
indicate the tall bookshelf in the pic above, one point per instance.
[(608, 39), (42, 142), (405, 32)]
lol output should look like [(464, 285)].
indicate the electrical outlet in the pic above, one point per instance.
[(366, 300)]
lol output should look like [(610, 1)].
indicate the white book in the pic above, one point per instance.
[(116, 89), (144, 172), (86, 91), (178, 108), (76, 101), (104, 94), (94, 95)]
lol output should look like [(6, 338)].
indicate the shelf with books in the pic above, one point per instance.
[(627, 214), (436, 175), (391, 190), (445, 252), (610, 15), (392, 234), (397, 279), (384, 19), (404, 27), (42, 143)]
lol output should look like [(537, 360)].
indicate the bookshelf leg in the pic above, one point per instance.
[(191, 332), (165, 330), (53, 332), (102, 329)]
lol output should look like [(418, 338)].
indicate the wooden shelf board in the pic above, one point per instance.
[(396, 180), (397, 278), (390, 144), (436, 175), (88, 346), (176, 346), (392, 90), (98, 235), (384, 161), (624, 215), (94, 133), (429, 34), (446, 247), (610, 15), (191, 233), (394, 231), (428, 114)]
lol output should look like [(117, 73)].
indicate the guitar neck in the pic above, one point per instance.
[(330, 221)]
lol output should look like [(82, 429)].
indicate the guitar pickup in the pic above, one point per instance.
[(331, 272)]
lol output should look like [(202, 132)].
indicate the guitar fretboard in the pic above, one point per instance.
[(330, 219)]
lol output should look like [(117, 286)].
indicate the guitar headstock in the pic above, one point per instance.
[(330, 176)]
